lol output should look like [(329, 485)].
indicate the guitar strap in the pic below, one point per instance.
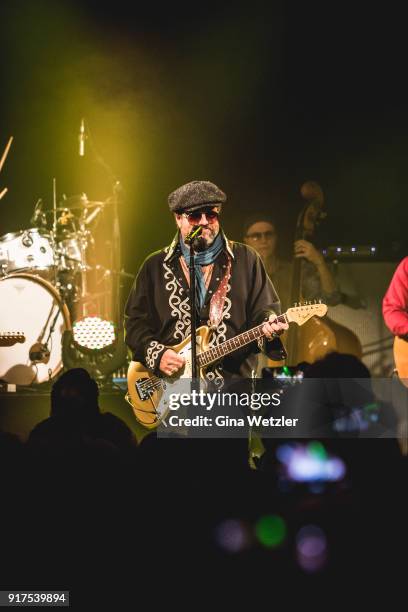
[(218, 299)]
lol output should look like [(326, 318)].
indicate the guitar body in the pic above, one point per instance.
[(146, 392), (317, 339), (401, 359)]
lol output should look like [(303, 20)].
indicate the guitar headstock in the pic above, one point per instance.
[(301, 313), (11, 338)]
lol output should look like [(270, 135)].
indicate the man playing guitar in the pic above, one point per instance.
[(157, 313)]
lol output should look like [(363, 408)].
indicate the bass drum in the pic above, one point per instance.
[(33, 306)]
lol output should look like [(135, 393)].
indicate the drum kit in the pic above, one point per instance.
[(49, 276)]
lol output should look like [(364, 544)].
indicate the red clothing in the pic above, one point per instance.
[(395, 302)]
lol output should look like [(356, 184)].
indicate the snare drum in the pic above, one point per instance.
[(29, 251)]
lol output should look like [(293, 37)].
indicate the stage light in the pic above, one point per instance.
[(310, 463), (317, 450), (311, 548), (271, 530), (100, 363), (93, 334), (233, 536)]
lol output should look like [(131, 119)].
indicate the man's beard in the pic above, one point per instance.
[(201, 244)]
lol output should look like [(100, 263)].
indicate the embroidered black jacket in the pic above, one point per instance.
[(157, 313)]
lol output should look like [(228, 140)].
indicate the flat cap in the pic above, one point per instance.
[(195, 195)]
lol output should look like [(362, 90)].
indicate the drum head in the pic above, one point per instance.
[(31, 305)]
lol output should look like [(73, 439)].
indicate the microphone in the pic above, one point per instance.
[(195, 233), (81, 138), (39, 353)]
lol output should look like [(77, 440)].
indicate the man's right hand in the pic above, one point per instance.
[(171, 362)]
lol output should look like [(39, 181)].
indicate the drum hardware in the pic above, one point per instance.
[(39, 215), (44, 269), (27, 240), (78, 202), (5, 152), (39, 353), (93, 215), (85, 207), (64, 219), (2, 160), (42, 349)]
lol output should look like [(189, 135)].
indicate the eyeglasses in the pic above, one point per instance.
[(194, 217), (258, 235)]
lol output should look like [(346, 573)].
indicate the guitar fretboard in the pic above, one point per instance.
[(229, 346)]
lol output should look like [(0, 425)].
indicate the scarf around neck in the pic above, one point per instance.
[(203, 258)]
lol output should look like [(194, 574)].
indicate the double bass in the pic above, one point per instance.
[(317, 337)]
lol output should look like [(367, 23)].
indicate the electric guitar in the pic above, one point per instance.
[(10, 338), (148, 393), (401, 359)]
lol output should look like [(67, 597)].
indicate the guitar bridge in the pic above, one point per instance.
[(145, 388)]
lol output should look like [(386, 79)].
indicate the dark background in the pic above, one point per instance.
[(255, 96)]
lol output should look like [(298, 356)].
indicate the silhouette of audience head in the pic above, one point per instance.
[(75, 396), (337, 365), (76, 424)]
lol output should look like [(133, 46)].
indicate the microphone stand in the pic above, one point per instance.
[(195, 233), (193, 307), (116, 245), (117, 358)]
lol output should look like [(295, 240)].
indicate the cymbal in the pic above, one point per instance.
[(69, 208), (78, 202)]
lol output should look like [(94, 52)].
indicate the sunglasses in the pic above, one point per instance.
[(194, 217), (258, 235)]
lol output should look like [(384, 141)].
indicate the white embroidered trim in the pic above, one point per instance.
[(180, 308), (215, 376), (152, 353), (217, 337)]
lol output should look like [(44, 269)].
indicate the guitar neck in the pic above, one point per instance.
[(229, 346)]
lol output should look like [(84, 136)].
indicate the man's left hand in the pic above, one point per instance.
[(274, 327)]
